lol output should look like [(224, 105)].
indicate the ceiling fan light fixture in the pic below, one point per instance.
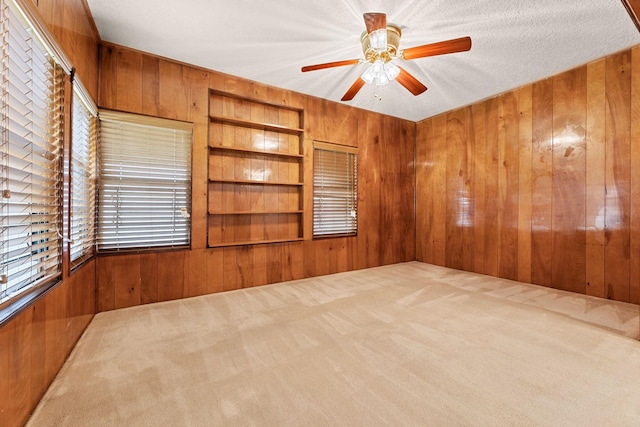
[(391, 70), (378, 40), (381, 42), (380, 73)]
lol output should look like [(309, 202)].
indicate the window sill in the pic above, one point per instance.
[(334, 236)]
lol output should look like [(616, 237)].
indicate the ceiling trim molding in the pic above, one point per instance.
[(633, 7)]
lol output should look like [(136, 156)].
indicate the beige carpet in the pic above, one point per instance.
[(408, 344)]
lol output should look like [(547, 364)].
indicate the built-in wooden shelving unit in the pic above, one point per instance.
[(255, 172)]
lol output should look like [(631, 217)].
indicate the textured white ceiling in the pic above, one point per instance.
[(515, 42)]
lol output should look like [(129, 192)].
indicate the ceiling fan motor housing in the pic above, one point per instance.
[(372, 54)]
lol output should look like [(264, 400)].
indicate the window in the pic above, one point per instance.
[(335, 190), (83, 176), (31, 119), (144, 191)]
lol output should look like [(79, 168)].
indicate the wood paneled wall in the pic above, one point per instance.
[(539, 184), (35, 343), (72, 25), (136, 82)]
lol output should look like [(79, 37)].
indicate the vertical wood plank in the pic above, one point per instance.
[(196, 280), (541, 183), (150, 85), (286, 262), (407, 194), (467, 205), (439, 189), (478, 112), (229, 269), (492, 196), (274, 263), (107, 97), (508, 143), (38, 379), (297, 260), (455, 189), (569, 124), (129, 80), (369, 153), (173, 92), (148, 278), (595, 180), (215, 270), (307, 191), (171, 277), (365, 153), (309, 261), (55, 325), (244, 261), (525, 129), (389, 178), (424, 191), (259, 265), (126, 280), (342, 257), (634, 221), (618, 175), (323, 262), (353, 254), (105, 283)]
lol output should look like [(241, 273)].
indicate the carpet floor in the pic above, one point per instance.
[(406, 344)]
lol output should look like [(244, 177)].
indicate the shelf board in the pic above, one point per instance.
[(249, 182), (262, 212), (252, 151), (230, 95), (255, 242), (255, 125)]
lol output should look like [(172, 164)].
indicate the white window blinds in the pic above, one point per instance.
[(144, 182), (31, 116), (84, 134), (335, 190)]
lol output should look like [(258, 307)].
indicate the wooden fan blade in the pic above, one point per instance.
[(375, 21), (330, 65), (411, 83), (357, 85), (450, 46)]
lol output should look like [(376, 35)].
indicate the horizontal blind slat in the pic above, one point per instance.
[(145, 183), (83, 179), (334, 192), (32, 90)]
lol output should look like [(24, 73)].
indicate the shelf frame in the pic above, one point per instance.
[(255, 125), (263, 212), (252, 151), (295, 214), (250, 182)]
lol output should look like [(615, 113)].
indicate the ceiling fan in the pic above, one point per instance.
[(380, 46)]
